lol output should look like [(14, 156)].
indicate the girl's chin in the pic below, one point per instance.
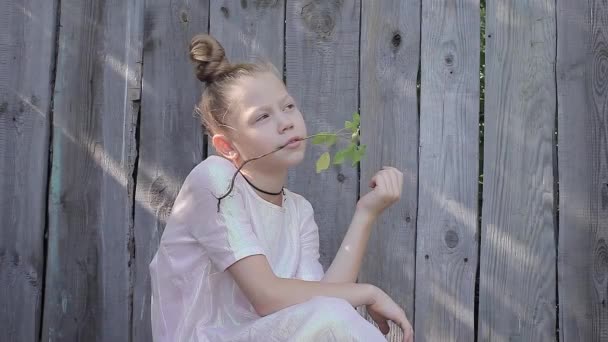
[(291, 158)]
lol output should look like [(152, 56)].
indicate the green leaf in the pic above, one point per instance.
[(325, 139), (320, 138), (323, 162), (356, 119), (349, 126), (331, 140), (359, 153), (340, 156)]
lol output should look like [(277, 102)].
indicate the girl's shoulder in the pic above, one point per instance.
[(303, 205), (214, 173)]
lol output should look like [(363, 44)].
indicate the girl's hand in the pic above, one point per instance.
[(386, 189), (384, 309)]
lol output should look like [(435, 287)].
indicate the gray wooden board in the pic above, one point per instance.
[(322, 46), (518, 253), (87, 296), (449, 153), (249, 31), (390, 54), (27, 48), (582, 90), (170, 141)]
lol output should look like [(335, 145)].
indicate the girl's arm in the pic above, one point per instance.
[(345, 266), (386, 185), (269, 293)]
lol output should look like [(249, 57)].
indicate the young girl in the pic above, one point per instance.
[(239, 257)]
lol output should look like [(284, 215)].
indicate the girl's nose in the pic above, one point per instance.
[(285, 124)]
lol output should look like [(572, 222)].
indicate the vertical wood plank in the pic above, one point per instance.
[(90, 202), (582, 90), (390, 53), (170, 141), (518, 253), (249, 31), (449, 153), (321, 51), (27, 48)]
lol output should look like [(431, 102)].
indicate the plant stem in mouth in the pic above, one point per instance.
[(219, 199)]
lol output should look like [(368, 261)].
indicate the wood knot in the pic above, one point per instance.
[(396, 40), (449, 59), (244, 4), (161, 197), (451, 238), (408, 219), (225, 12), (341, 177), (184, 17), (426, 257), (319, 17), (600, 262)]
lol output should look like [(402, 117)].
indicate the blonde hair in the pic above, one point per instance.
[(213, 69)]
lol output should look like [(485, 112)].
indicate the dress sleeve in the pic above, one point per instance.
[(227, 236), (309, 267)]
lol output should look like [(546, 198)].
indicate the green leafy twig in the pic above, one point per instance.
[(353, 151)]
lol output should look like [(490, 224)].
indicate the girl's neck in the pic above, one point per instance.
[(268, 181)]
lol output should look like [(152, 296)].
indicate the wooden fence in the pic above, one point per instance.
[(97, 133)]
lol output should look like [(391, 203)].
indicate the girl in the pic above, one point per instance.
[(239, 257)]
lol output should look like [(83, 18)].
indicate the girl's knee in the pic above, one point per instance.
[(331, 303), (338, 318)]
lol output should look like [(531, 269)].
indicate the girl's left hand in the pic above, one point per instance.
[(386, 187)]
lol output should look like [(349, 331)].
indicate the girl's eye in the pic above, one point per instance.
[(291, 106), (261, 117)]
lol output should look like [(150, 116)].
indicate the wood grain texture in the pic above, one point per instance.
[(390, 54), (88, 284), (449, 152), (518, 258), (249, 31), (322, 47), (27, 48), (582, 90), (170, 141)]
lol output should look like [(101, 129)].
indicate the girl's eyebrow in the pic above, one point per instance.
[(267, 107)]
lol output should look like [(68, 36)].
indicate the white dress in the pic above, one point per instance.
[(194, 298)]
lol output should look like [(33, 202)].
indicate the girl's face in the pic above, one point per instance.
[(265, 117)]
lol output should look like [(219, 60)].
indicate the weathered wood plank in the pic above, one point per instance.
[(518, 253), (27, 48), (87, 294), (582, 90), (322, 46), (390, 52), (449, 153), (249, 31), (170, 142)]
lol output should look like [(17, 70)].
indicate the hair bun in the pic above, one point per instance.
[(209, 56)]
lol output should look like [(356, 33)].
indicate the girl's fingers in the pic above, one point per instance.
[(383, 326), (381, 182), (392, 181), (408, 334), (372, 182)]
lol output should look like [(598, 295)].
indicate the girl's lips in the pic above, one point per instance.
[(294, 144)]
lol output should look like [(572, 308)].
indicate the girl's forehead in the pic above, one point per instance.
[(261, 89)]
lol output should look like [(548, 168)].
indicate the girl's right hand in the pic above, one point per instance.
[(383, 309), (386, 187)]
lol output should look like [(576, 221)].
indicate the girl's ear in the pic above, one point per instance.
[(224, 147)]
